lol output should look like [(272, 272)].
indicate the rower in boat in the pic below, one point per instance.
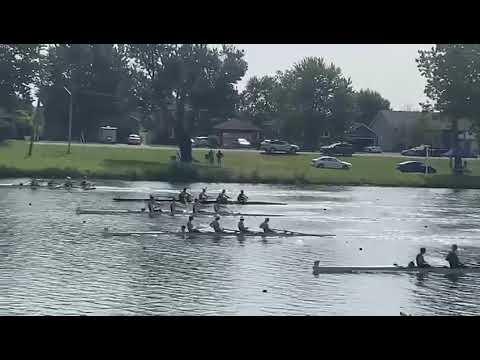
[(222, 198), (184, 196), (34, 182), (242, 198), (203, 195), (151, 205), (84, 182), (173, 206), (190, 227), (218, 208), (183, 229), (452, 258), (421, 263), (216, 225), (242, 228), (68, 182), (196, 206), (51, 183), (266, 227)]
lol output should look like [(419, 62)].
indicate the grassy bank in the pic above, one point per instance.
[(155, 164)]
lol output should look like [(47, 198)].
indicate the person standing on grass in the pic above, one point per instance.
[(219, 157)]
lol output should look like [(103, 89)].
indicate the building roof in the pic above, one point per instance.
[(237, 124), (360, 130)]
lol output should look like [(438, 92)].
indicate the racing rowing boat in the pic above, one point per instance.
[(54, 187), (389, 269), (286, 233), (206, 202), (80, 211)]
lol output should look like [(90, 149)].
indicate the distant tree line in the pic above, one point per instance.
[(188, 88)]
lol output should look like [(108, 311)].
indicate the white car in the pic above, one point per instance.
[(270, 146), (373, 149), (329, 162), (134, 139)]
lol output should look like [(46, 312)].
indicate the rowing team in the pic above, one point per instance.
[(222, 197), (451, 257), (67, 184), (196, 208), (215, 224)]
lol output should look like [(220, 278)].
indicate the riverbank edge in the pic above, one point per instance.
[(182, 174)]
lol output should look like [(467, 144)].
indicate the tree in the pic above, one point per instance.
[(367, 104), (259, 100), (452, 72), (193, 76), (321, 94)]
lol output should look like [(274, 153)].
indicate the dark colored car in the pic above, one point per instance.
[(421, 151), (341, 148), (415, 167)]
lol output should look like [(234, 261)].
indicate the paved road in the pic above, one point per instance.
[(173, 147)]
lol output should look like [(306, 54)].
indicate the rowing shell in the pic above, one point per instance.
[(158, 213), (390, 269), (54, 187), (106, 232), (204, 202)]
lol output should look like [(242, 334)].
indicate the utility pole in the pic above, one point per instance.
[(34, 128), (70, 113)]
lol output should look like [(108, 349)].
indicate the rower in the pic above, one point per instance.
[(265, 226), (203, 195), (184, 196), (196, 206), (51, 183), (151, 204), (222, 198), (173, 205), (84, 182), (68, 182), (242, 227), (216, 225), (217, 208), (182, 229), (421, 263), (34, 182), (190, 226), (452, 258), (242, 198)]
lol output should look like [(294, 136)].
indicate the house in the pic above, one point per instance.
[(233, 129), (360, 136), (399, 130)]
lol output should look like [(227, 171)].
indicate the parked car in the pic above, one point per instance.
[(462, 153), (200, 141), (341, 148), (372, 149), (415, 167), (329, 162), (134, 139), (243, 143), (421, 151), (270, 146)]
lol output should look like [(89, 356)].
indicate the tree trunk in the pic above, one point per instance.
[(458, 165)]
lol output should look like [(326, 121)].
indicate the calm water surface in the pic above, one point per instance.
[(54, 262)]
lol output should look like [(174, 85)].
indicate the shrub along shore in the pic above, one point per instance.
[(106, 162)]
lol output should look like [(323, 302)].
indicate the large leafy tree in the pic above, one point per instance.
[(187, 78), (98, 78), (452, 72), (322, 95), (367, 104)]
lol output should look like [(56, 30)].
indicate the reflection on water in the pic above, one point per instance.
[(53, 261)]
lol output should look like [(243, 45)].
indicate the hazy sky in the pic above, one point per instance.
[(389, 69)]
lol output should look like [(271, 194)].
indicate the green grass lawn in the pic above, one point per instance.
[(155, 164)]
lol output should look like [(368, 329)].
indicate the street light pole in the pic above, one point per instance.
[(70, 113)]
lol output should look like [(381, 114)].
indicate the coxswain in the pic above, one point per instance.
[(184, 196), (190, 226), (421, 263), (203, 195), (173, 205), (452, 258), (222, 198), (242, 198), (242, 227), (265, 226), (216, 225)]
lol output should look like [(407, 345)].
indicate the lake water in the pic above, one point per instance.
[(55, 262)]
